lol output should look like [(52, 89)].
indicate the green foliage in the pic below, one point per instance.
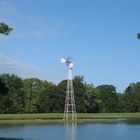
[(50, 100), (92, 99), (80, 93), (5, 29), (3, 88), (138, 35), (4, 100), (13, 101), (109, 97), (33, 95), (130, 100), (33, 88)]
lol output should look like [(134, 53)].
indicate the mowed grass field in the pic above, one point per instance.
[(58, 118)]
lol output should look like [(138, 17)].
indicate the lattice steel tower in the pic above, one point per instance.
[(70, 109)]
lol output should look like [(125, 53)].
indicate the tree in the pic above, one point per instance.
[(130, 100), (92, 100), (138, 35), (14, 98), (79, 92), (3, 88), (3, 96), (51, 99), (109, 97), (62, 92), (33, 88), (5, 29)]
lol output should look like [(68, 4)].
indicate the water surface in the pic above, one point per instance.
[(95, 131)]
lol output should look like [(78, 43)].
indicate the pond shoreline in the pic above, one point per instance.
[(54, 118)]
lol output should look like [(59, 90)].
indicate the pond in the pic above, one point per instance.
[(95, 131)]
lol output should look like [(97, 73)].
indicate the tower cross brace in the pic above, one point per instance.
[(70, 109)]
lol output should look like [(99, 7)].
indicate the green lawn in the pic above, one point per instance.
[(60, 116), (57, 118)]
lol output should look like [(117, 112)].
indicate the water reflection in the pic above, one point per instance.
[(125, 130), (71, 129)]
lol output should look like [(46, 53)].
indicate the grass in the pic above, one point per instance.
[(109, 115), (31, 116), (57, 121), (57, 118), (60, 116)]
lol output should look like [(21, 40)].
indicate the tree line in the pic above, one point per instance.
[(33, 95)]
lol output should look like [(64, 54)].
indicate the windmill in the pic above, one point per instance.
[(69, 109)]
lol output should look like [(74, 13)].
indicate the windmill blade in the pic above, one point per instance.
[(63, 60)]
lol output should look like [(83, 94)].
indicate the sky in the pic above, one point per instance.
[(100, 35)]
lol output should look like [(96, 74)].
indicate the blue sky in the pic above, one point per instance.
[(99, 34)]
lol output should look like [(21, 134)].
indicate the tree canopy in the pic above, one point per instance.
[(138, 35), (5, 29), (33, 95)]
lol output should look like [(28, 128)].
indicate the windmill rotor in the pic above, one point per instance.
[(69, 62)]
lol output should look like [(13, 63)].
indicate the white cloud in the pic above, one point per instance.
[(40, 31), (11, 66)]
